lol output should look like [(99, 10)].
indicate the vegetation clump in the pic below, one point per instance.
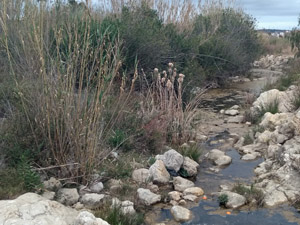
[(251, 194), (115, 216), (82, 83), (223, 199)]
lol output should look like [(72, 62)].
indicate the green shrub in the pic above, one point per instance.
[(272, 107), (228, 46), (114, 216), (11, 184), (248, 139), (151, 161), (142, 32), (19, 179), (117, 138), (30, 178), (183, 173), (194, 151), (223, 199), (250, 194), (283, 83), (118, 169)]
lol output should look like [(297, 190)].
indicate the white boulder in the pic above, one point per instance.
[(159, 173), (146, 197)]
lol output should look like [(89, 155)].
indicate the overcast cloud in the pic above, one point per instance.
[(279, 14)]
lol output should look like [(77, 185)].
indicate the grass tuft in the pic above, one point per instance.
[(251, 194), (114, 216)]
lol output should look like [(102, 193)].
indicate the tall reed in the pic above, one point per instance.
[(71, 75)]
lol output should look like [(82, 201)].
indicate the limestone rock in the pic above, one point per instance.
[(234, 200), (203, 138), (114, 185), (96, 187), (141, 175), (251, 156), (146, 197), (174, 195), (33, 209), (93, 201), (197, 191), (172, 160), (191, 198), (182, 202), (52, 184), (250, 149), (190, 166), (181, 214), (274, 151), (87, 218), (180, 184), (273, 195), (223, 161), (236, 107), (219, 157), (231, 112), (271, 97), (49, 195), (215, 154), (68, 196), (127, 207), (159, 173), (239, 143)]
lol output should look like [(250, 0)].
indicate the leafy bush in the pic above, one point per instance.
[(232, 42), (30, 178), (18, 180), (11, 184), (142, 32), (223, 199), (118, 138)]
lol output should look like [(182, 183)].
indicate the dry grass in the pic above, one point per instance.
[(69, 90), (164, 106), (275, 46)]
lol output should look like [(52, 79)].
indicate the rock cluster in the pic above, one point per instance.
[(218, 157), (279, 143), (33, 209), (165, 171), (274, 97), (272, 62)]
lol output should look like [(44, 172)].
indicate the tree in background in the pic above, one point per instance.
[(295, 39)]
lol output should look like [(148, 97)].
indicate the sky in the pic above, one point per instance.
[(273, 14), (270, 14)]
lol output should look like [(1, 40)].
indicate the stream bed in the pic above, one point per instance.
[(209, 178), (208, 212)]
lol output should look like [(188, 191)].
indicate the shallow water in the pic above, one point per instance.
[(208, 211), (206, 214)]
